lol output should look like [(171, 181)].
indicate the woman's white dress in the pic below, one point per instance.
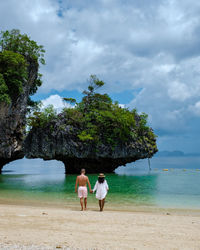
[(101, 190)]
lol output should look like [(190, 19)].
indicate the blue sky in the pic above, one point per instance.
[(147, 52)]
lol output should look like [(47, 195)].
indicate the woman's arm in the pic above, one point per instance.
[(106, 185), (95, 187)]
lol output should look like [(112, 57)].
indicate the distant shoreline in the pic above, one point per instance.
[(175, 153)]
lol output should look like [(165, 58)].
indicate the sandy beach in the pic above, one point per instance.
[(40, 227)]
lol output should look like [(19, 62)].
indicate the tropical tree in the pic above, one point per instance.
[(18, 55), (98, 119)]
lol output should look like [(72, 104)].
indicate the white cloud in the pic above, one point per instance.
[(56, 101), (179, 91), (122, 105), (195, 109), (114, 40)]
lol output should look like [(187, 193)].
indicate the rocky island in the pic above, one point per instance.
[(95, 134), (64, 145)]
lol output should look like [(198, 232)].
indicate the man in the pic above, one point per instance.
[(82, 181)]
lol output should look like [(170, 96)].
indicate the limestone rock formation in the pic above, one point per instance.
[(13, 120), (59, 141)]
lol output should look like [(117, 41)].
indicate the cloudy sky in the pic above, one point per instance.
[(147, 52)]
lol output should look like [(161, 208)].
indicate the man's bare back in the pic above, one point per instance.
[(82, 181)]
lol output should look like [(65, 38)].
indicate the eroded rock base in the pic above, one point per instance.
[(93, 166)]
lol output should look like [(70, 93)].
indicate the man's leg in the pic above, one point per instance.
[(85, 202), (81, 202)]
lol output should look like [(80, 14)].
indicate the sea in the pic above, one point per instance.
[(164, 182)]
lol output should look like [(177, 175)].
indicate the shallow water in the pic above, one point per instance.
[(133, 185)]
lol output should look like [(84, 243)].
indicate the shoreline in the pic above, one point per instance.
[(93, 206), (28, 226)]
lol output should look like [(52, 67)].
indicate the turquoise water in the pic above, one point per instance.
[(133, 185)]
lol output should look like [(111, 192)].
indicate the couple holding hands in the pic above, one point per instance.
[(101, 188)]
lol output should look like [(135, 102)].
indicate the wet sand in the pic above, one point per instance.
[(45, 227)]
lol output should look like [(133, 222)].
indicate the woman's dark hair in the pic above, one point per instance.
[(101, 179)]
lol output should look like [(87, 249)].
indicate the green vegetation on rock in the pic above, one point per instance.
[(4, 96), (17, 54), (12, 73), (40, 119), (22, 44), (98, 120)]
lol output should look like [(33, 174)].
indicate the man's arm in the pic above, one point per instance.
[(88, 182), (76, 184)]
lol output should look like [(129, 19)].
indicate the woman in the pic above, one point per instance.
[(101, 188)]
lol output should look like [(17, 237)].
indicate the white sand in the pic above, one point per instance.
[(31, 227)]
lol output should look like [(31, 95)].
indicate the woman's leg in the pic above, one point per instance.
[(102, 204)]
